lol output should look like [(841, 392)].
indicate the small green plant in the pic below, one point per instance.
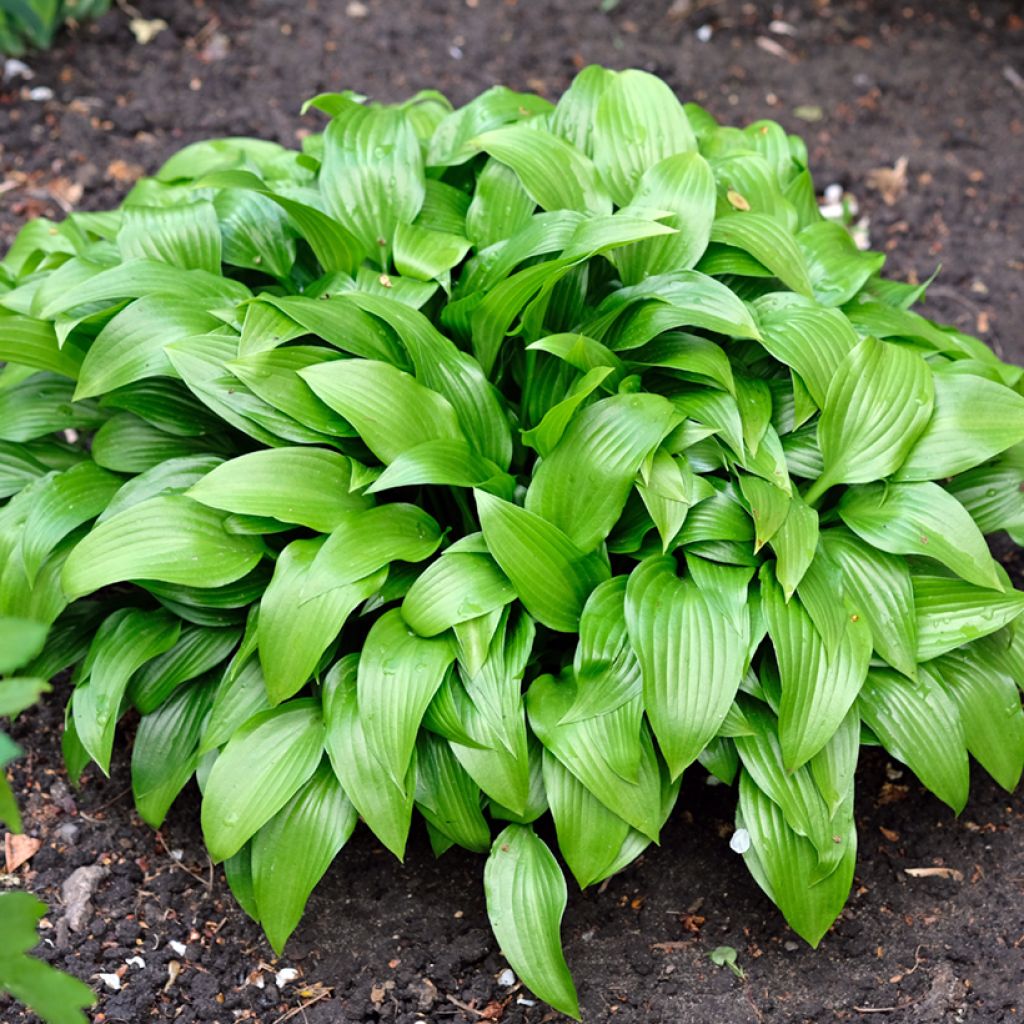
[(25, 23), (726, 956), (55, 997), (501, 461)]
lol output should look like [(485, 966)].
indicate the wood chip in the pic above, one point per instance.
[(954, 873)]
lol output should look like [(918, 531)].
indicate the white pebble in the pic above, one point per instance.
[(136, 961), (178, 947), (704, 33), (40, 93), (285, 975), (14, 68), (507, 978), (111, 981), (740, 841), (523, 1001), (833, 193)]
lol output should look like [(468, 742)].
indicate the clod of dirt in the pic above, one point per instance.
[(77, 892)]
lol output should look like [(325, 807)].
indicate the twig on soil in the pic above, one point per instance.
[(206, 882), (302, 1007), (875, 1009), (102, 807), (465, 1006)]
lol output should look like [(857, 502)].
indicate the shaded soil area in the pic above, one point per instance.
[(867, 84)]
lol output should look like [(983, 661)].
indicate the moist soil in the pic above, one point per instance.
[(940, 84)]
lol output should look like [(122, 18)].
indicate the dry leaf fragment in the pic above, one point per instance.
[(19, 849), (891, 182), (954, 873), (146, 30)]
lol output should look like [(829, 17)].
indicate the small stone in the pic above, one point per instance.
[(77, 891), (507, 978)]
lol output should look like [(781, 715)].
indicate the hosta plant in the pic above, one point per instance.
[(25, 23), (499, 464)]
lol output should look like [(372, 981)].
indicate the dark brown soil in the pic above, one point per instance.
[(936, 82)]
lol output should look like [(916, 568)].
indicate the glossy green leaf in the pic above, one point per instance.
[(919, 724), (973, 420), (920, 519), (291, 852), (399, 673), (581, 487), (551, 575), (817, 690), (878, 403), (526, 898), (295, 627), (170, 538), (691, 658), (261, 768), (384, 804)]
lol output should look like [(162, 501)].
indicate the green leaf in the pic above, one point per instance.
[(638, 122), (20, 692), (452, 141), (878, 403), (273, 376), (920, 519), (184, 235), (60, 505), (454, 589), (131, 346), (170, 538), (919, 724), (810, 339), (57, 998), (768, 241), (691, 656), (837, 268), (306, 486), (551, 575), (29, 342), (166, 751), (126, 641), (611, 754), (389, 408), (589, 835), (990, 712), (950, 613), (817, 690), (363, 542), (385, 805), (526, 898), (881, 589), (582, 485), (974, 419), (296, 627), (784, 864), (554, 174), (291, 852), (198, 650), (372, 175), (20, 641), (258, 772), (447, 796), (399, 673)]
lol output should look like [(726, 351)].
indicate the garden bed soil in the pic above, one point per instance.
[(938, 83)]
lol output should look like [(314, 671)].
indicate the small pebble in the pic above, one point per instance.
[(285, 975), (178, 947), (507, 978), (112, 981)]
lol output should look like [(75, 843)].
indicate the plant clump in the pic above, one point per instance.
[(499, 464), (34, 23)]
